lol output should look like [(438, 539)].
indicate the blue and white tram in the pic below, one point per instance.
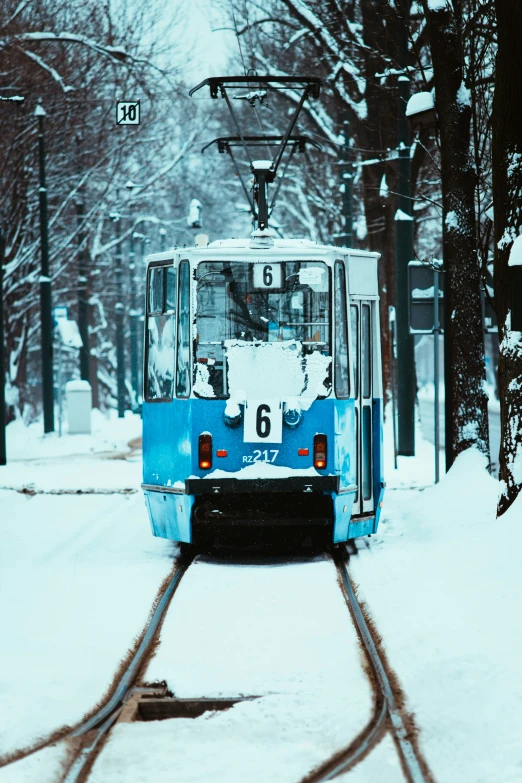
[(262, 389)]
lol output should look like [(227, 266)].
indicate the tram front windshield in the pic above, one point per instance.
[(261, 302)]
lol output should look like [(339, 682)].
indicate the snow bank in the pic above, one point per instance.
[(109, 433), (442, 580)]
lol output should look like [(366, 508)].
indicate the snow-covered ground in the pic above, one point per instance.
[(443, 582), (78, 576), (278, 631), (441, 579)]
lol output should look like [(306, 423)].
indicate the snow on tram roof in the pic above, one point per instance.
[(243, 244)]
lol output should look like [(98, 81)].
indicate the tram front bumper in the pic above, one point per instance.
[(234, 486)]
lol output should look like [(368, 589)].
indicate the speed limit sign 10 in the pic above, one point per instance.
[(263, 421), (268, 276)]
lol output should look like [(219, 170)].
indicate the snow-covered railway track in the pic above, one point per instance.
[(93, 731), (387, 713)]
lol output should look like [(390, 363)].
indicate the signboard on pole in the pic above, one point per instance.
[(422, 297)]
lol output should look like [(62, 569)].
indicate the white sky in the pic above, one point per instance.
[(210, 50)]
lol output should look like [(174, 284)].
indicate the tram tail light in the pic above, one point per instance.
[(320, 451), (205, 451), (302, 452)]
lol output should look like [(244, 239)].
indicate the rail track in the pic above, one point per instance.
[(99, 724), (86, 740), (387, 714)]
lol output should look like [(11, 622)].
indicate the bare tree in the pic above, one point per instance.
[(78, 74)]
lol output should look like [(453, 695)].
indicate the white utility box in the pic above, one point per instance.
[(79, 406)]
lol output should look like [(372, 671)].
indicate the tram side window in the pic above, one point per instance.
[(367, 452), (342, 382), (161, 330), (157, 274), (354, 315), (366, 358), (183, 365)]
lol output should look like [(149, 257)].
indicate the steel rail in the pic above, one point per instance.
[(131, 672), (104, 719), (345, 760), (407, 752)]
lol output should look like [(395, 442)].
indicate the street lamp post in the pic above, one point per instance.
[(119, 315), (404, 240), (133, 313), (3, 450), (163, 238), (83, 305), (45, 287), (346, 167), (18, 99)]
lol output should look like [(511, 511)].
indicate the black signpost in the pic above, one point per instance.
[(426, 290)]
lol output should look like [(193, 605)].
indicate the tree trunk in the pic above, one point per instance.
[(464, 365), (378, 132), (507, 196)]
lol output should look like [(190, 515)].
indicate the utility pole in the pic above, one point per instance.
[(83, 305), (346, 238), (3, 450), (119, 313), (18, 99), (133, 313), (142, 328), (45, 288), (163, 235), (404, 239)]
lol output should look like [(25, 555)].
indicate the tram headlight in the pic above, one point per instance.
[(205, 451), (232, 414), (292, 416), (320, 451)]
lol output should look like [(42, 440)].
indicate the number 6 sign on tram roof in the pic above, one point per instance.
[(268, 276)]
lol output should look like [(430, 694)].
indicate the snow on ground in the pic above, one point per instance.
[(279, 631), (44, 766), (411, 472), (78, 576), (443, 582), (381, 765), (48, 463), (77, 580), (441, 579), (109, 434)]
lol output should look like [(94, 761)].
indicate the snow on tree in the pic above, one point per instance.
[(78, 58)]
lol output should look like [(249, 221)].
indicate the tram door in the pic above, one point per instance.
[(361, 329)]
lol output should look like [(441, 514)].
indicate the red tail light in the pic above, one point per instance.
[(319, 451), (205, 451)]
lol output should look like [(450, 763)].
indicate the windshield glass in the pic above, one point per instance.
[(242, 308)]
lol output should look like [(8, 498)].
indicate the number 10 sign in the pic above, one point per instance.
[(263, 421), (128, 113)]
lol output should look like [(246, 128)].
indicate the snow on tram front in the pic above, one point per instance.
[(262, 389)]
